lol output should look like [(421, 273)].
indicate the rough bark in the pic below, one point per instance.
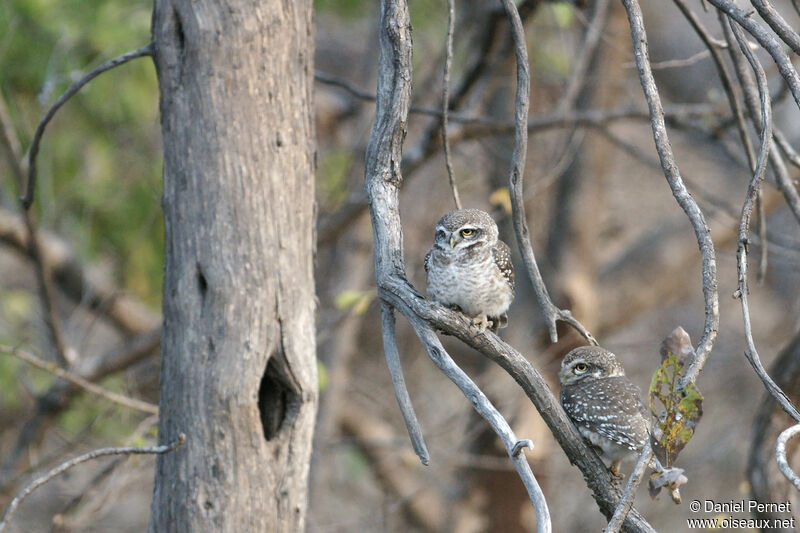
[(238, 370)]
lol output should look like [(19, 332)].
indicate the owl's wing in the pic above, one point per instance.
[(426, 264), (610, 407), (502, 258)]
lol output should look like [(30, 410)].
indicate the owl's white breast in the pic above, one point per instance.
[(475, 284)]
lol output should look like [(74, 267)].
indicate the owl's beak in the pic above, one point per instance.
[(452, 242)]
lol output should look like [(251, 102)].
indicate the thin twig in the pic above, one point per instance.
[(446, 100), (778, 24), (676, 63), (485, 408), (132, 403), (780, 454), (629, 494), (679, 191), (522, 102), (744, 223), (399, 383), (767, 41), (751, 99), (63, 467), (58, 396), (47, 293), (27, 197)]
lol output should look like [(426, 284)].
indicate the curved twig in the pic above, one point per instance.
[(780, 454), (778, 24), (744, 223), (679, 191), (485, 408), (551, 313), (451, 15), (63, 467), (399, 384), (767, 41), (27, 197), (751, 100), (626, 501)]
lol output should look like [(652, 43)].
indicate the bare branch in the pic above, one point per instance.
[(132, 403), (766, 40), (628, 495), (679, 191), (405, 299), (751, 99), (27, 197), (552, 313), (58, 396), (63, 467), (744, 223), (399, 384), (778, 24), (451, 15), (780, 455), (485, 408)]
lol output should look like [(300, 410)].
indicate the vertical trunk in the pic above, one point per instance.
[(238, 355)]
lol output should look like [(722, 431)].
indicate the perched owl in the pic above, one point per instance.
[(469, 269), (604, 404)]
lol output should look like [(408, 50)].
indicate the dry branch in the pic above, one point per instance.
[(27, 197), (744, 224), (516, 174), (120, 399), (679, 191), (63, 467), (451, 16), (780, 454)]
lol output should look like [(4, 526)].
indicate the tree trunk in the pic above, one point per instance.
[(238, 370)]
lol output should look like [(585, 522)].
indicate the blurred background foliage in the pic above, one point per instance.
[(100, 161)]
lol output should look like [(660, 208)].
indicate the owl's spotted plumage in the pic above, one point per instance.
[(470, 269), (604, 404)]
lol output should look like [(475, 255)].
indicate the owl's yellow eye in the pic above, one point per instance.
[(580, 368), (467, 232)]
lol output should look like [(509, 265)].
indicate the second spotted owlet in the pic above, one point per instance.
[(604, 404), (470, 269)]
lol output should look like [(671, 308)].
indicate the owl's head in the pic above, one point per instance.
[(465, 229), (589, 362)]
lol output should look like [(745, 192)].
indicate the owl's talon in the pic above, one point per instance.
[(614, 470), (482, 323), (520, 445)]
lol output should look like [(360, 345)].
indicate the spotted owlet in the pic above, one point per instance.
[(604, 404), (469, 269)]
